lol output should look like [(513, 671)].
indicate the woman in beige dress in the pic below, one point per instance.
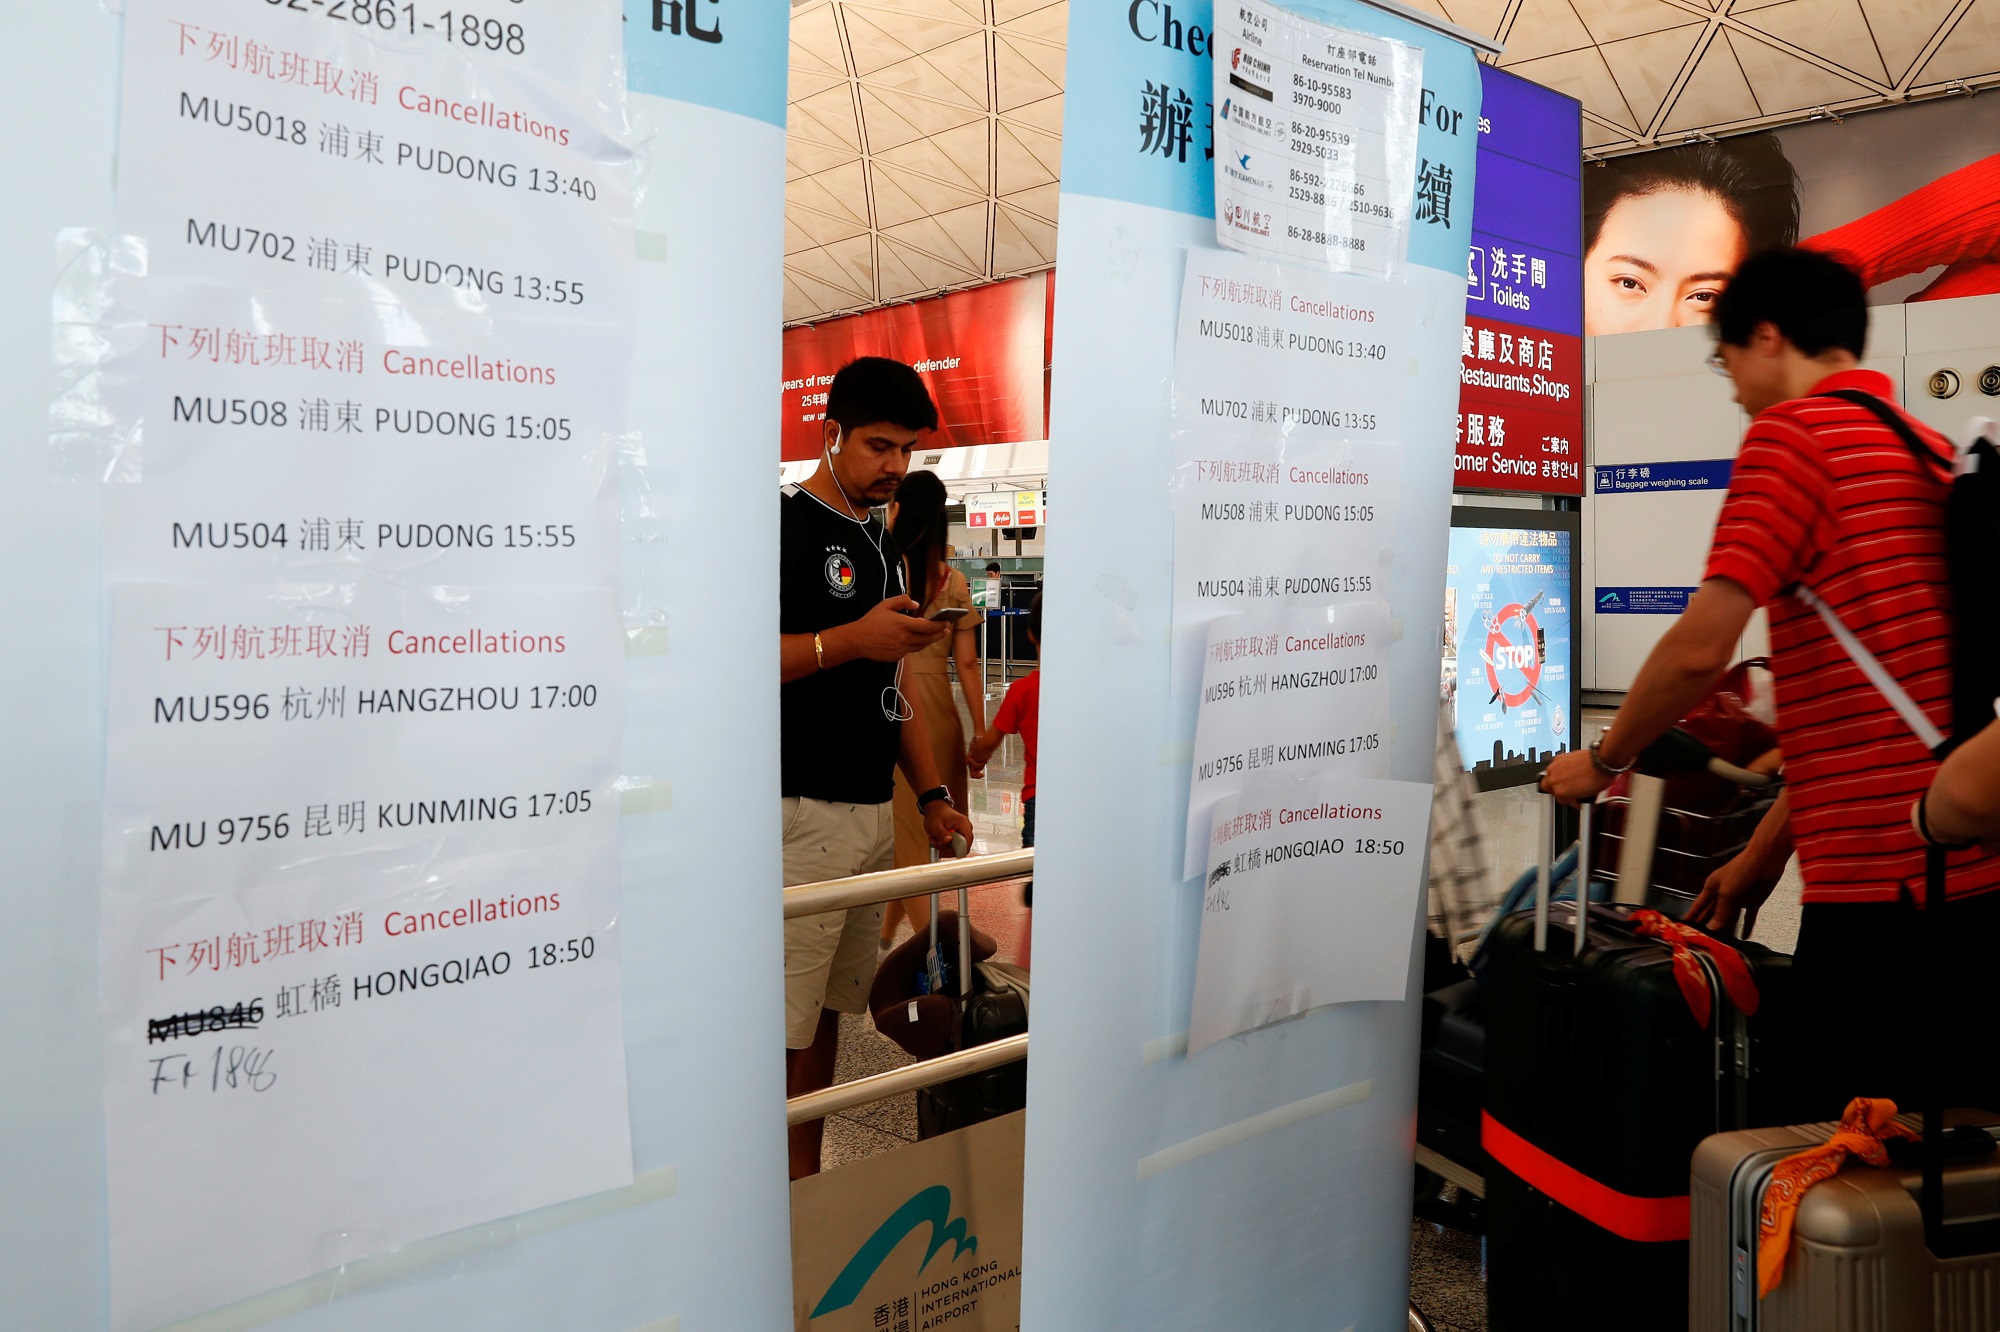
[(917, 520)]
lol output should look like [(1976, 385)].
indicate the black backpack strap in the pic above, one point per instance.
[(1892, 418)]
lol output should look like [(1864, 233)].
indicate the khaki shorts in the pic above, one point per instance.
[(830, 958)]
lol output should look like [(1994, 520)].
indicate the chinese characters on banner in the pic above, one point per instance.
[(1520, 424), (359, 959), (1318, 131)]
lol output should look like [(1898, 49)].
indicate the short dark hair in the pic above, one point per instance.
[(1035, 618), (1749, 175), (1817, 302), (875, 388)]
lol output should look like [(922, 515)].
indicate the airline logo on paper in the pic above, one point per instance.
[(840, 574), (932, 1206)]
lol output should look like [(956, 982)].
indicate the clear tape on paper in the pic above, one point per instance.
[(87, 440), (642, 524)]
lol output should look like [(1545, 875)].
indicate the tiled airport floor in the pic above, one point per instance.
[(1448, 1277)]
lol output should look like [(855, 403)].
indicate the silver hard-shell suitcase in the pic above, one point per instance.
[(1859, 1261)]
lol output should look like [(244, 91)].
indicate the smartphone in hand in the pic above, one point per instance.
[(949, 615)]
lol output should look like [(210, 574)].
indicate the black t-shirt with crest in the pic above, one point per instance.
[(836, 737)]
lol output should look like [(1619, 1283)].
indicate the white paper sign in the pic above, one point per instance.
[(359, 971), (1316, 139), (1288, 693), (353, 1000), (1313, 889), (1284, 442), (1285, 355)]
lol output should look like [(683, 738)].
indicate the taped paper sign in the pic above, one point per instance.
[(1311, 899), (1288, 693)]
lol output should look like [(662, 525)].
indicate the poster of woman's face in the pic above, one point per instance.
[(1909, 197)]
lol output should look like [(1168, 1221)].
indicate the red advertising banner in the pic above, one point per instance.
[(982, 351), (1520, 409)]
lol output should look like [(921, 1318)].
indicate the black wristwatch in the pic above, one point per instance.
[(936, 793)]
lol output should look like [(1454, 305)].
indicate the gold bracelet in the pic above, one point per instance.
[(819, 652)]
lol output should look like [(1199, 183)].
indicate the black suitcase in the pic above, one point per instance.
[(985, 1016), (1600, 1083), (931, 1000)]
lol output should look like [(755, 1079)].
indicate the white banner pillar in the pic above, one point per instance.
[(1264, 1181)]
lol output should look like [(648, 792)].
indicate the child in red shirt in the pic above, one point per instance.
[(1020, 714)]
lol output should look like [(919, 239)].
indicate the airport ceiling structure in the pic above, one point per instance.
[(924, 136)]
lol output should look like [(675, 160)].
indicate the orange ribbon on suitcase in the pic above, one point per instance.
[(1690, 975), (1863, 1132)]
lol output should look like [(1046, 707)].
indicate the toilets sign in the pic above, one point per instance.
[(1520, 424)]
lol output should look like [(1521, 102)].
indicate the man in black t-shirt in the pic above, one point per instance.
[(845, 623)]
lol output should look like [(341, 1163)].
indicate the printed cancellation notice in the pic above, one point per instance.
[(359, 954)]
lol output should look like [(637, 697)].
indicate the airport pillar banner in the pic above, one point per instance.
[(982, 353), (1260, 1181), (1521, 385), (387, 683)]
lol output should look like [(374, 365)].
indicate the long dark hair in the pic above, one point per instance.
[(1749, 175), (920, 529)]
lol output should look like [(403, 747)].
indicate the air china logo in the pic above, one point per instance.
[(930, 1206), (840, 575), (1236, 58)]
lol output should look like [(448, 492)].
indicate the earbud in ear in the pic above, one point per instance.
[(839, 432)]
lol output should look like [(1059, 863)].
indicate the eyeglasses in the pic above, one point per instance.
[(1717, 364)]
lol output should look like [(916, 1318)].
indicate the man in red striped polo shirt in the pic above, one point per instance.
[(1824, 493)]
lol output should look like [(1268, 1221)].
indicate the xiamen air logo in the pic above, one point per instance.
[(840, 574), (932, 1205)]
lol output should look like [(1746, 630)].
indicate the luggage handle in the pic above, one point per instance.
[(1582, 880)]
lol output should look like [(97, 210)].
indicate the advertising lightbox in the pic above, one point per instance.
[(1509, 640)]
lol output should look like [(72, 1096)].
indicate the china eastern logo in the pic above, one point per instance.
[(930, 1206)]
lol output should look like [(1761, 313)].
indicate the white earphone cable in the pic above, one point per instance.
[(895, 704)]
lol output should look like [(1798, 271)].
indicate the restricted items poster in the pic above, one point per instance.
[(1316, 132), (1508, 644), (1288, 693), (1312, 893), (359, 967)]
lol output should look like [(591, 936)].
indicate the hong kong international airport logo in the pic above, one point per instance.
[(932, 1207), (840, 574)]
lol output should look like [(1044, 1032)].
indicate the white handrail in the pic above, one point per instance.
[(914, 1077), (810, 899)]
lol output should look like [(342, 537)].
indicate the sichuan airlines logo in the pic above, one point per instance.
[(840, 574), (932, 1207)]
